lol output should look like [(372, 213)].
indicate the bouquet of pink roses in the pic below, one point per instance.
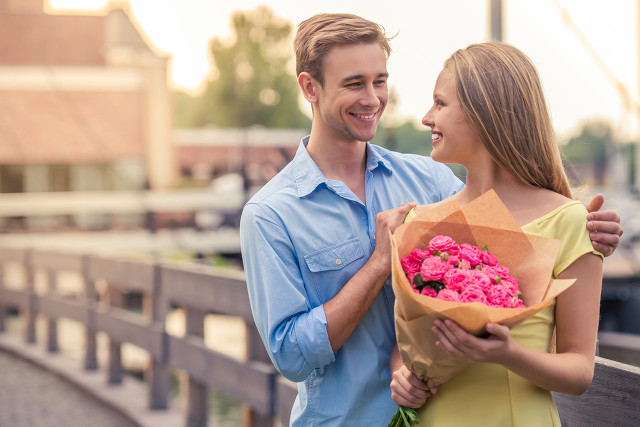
[(461, 273), (439, 272)]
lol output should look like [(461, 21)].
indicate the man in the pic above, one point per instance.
[(314, 239)]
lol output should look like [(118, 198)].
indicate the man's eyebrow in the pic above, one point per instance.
[(361, 76)]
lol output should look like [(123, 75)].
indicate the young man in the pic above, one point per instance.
[(315, 238)]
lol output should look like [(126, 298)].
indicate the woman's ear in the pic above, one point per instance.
[(309, 87)]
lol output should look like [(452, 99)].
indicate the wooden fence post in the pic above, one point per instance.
[(90, 345), (32, 309), (52, 322), (257, 352), (3, 307), (114, 369), (196, 392), (155, 308)]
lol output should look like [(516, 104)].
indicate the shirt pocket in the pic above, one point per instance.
[(333, 266)]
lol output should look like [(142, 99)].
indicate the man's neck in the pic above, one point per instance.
[(342, 160)]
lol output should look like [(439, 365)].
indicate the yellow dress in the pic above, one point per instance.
[(487, 394)]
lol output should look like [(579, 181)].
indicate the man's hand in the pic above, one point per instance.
[(604, 226), (407, 390), (387, 221)]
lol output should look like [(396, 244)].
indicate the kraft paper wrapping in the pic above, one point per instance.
[(484, 221)]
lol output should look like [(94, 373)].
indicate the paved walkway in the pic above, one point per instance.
[(31, 396), (40, 389)]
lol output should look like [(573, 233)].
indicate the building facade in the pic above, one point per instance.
[(84, 100)]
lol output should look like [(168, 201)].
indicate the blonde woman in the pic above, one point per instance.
[(490, 115)]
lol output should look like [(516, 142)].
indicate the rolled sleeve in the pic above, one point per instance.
[(313, 340), (293, 332)]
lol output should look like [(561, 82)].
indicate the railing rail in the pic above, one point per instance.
[(198, 290), (612, 399)]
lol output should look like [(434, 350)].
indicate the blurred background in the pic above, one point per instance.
[(142, 126), (145, 125)]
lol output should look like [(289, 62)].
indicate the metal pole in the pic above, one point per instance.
[(635, 182), (495, 20)]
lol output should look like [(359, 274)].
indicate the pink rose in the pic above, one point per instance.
[(418, 254), (433, 268), (480, 278), (430, 292), (456, 279), (473, 293), (464, 264), (488, 258), (449, 295), (511, 284), (500, 270), (500, 295), (470, 253), (517, 303), (410, 267), (441, 244), (453, 259)]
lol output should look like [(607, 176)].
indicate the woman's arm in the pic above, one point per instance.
[(570, 370)]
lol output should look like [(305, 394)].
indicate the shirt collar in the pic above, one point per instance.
[(308, 175)]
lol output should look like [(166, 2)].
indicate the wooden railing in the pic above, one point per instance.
[(198, 290), (612, 399)]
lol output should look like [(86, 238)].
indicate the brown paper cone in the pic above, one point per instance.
[(485, 221)]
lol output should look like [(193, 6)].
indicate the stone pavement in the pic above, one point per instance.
[(31, 396), (40, 389)]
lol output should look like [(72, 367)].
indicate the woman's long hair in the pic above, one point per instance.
[(502, 98)]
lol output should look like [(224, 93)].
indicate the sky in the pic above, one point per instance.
[(586, 53)]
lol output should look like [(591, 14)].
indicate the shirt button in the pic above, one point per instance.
[(338, 261)]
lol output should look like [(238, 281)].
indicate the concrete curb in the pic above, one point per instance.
[(128, 398)]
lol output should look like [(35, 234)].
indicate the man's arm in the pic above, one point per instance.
[(345, 310), (293, 332), (604, 226), (297, 336)]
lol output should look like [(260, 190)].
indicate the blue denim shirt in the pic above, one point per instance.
[(302, 238)]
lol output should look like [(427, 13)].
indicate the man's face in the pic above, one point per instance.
[(355, 93)]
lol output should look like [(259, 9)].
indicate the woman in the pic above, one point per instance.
[(490, 115)]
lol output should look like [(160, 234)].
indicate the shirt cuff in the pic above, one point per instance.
[(311, 332)]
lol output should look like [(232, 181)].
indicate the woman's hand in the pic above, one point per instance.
[(463, 345), (407, 390)]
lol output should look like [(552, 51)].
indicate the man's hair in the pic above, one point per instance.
[(318, 34), (501, 96)]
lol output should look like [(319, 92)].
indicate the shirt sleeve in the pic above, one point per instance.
[(293, 332), (448, 183)]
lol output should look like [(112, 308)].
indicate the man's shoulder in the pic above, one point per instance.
[(278, 191)]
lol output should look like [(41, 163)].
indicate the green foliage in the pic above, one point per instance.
[(591, 145), (253, 81)]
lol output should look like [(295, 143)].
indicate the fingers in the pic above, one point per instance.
[(407, 390), (596, 203), (604, 216), (605, 231), (453, 339)]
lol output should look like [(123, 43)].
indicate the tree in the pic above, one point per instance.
[(253, 81)]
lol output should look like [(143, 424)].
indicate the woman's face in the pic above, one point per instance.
[(453, 139)]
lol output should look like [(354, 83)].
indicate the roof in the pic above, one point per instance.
[(70, 127)]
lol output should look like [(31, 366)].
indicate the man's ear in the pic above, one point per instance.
[(309, 86)]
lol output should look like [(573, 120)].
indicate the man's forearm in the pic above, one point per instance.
[(345, 311)]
